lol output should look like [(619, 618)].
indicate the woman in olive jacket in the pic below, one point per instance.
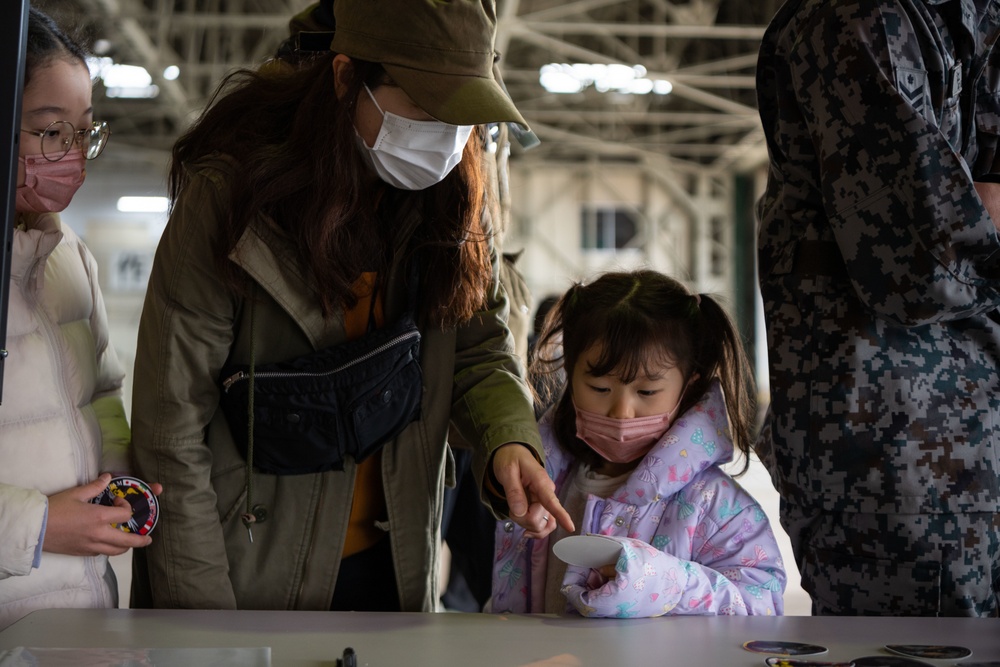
[(302, 201)]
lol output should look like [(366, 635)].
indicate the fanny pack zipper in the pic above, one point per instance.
[(264, 375)]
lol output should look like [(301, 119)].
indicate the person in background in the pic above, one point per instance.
[(546, 387), (879, 267), (658, 394), (466, 524), (62, 420), (350, 198), (538, 321)]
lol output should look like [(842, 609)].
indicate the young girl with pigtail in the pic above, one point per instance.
[(658, 394)]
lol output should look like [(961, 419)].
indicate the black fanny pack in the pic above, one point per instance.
[(308, 414)]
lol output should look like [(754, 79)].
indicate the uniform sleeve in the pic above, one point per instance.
[(185, 333), (22, 524), (917, 241)]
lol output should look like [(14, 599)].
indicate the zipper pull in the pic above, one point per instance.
[(235, 377), (248, 521)]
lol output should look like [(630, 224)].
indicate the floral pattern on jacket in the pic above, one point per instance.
[(693, 541)]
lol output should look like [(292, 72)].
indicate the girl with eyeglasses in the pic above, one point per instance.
[(62, 422)]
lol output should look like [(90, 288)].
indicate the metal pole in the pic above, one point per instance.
[(13, 46)]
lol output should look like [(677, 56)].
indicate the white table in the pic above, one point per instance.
[(484, 640)]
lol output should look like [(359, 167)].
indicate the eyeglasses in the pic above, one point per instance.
[(61, 136)]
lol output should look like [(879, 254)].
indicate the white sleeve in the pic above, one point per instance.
[(23, 515)]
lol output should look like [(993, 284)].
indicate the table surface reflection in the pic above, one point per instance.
[(485, 640)]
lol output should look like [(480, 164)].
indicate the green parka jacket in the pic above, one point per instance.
[(191, 326)]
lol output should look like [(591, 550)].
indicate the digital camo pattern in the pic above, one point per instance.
[(903, 564), (879, 266), (884, 374)]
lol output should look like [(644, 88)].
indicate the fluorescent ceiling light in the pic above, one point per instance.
[(123, 80), (142, 204), (566, 78)]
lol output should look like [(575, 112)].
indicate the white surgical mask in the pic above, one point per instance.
[(415, 154)]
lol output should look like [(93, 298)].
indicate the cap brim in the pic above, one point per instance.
[(458, 100)]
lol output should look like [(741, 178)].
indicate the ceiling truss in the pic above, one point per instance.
[(707, 50)]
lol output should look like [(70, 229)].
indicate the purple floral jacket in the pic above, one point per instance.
[(694, 542)]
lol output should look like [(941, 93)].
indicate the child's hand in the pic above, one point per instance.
[(590, 591), (644, 582), (598, 576), (76, 527)]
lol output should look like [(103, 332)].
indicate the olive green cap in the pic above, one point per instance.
[(440, 52)]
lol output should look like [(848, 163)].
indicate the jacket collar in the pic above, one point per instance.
[(696, 440), (33, 244), (272, 261), (269, 258)]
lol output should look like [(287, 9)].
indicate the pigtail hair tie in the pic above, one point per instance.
[(694, 305)]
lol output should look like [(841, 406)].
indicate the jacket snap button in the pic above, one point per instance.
[(293, 417), (260, 513), (620, 521), (508, 527), (387, 395)]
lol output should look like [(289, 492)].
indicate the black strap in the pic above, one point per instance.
[(248, 517)]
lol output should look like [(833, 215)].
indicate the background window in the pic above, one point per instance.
[(607, 227)]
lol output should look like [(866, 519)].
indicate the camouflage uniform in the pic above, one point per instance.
[(880, 274)]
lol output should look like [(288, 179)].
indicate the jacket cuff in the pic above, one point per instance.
[(23, 516)]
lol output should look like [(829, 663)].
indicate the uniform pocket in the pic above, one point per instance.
[(845, 584)]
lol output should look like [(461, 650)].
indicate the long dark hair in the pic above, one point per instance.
[(643, 320), (47, 42), (299, 163)]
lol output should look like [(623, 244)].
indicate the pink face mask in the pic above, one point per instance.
[(621, 440), (49, 186)]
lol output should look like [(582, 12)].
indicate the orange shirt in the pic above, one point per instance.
[(368, 505)]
